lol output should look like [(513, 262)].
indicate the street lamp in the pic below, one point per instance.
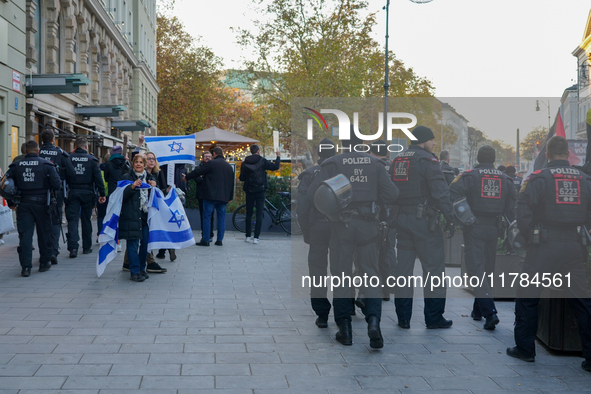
[(548, 106), (386, 69)]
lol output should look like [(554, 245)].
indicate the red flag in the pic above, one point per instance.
[(560, 126)]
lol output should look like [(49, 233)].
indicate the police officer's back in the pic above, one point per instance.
[(552, 204), (448, 171), (87, 176), (34, 177), (511, 173), (423, 194), (63, 165), (490, 195), (357, 232), (316, 229)]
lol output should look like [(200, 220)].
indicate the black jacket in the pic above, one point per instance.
[(132, 218), (114, 171), (267, 166), (218, 179), (199, 185), (448, 172)]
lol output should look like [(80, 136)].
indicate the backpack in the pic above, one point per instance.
[(256, 177)]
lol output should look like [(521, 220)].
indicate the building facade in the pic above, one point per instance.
[(12, 74), (109, 47), (582, 52), (458, 152)]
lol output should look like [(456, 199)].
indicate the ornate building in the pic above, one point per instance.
[(583, 53)]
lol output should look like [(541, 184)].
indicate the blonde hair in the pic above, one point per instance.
[(156, 165)]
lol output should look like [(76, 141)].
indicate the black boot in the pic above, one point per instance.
[(345, 334), (491, 322), (375, 334)]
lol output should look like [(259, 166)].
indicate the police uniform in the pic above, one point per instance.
[(448, 172), (316, 229), (553, 201), (490, 195), (423, 192), (387, 242), (86, 177), (33, 177), (65, 169), (357, 233)]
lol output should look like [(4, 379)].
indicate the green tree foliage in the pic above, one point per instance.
[(319, 48), (527, 145)]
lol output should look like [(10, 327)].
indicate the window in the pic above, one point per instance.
[(38, 35)]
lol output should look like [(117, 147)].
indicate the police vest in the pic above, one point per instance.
[(55, 155), (29, 176), (82, 163), (362, 171), (566, 196), (405, 174), (517, 182), (488, 193), (387, 163)]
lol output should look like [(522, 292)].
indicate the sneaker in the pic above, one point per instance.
[(255, 241), (248, 239), (137, 278), (155, 268), (144, 274), (125, 267), (172, 253)]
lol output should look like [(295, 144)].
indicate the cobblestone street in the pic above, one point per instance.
[(222, 320)]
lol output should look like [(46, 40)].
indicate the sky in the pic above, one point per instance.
[(467, 48)]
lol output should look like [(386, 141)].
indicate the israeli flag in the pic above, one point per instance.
[(178, 149), (109, 235), (169, 226)]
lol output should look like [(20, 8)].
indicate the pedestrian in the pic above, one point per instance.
[(154, 168), (200, 193), (356, 235), (551, 206), (490, 195), (449, 173), (253, 172), (133, 221), (219, 190), (64, 168), (34, 177), (79, 204), (115, 168), (23, 153), (101, 208), (316, 229), (511, 173), (424, 194)]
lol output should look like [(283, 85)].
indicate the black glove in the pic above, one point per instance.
[(451, 229)]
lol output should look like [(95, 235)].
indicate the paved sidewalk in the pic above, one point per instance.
[(222, 320)]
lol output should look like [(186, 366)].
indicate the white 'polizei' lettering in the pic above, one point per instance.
[(77, 158), (489, 171), (356, 160), (48, 152), (569, 171), (28, 163)]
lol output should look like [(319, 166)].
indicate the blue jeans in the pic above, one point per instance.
[(137, 260), (208, 207)]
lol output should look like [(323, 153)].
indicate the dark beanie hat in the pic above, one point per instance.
[(510, 170), (326, 152), (423, 134), (486, 154), (379, 148)]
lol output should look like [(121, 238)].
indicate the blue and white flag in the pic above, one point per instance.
[(169, 226), (178, 149), (109, 235)]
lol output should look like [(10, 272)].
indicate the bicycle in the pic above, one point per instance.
[(283, 216)]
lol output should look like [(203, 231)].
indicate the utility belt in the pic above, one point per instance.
[(32, 198), (419, 210), (81, 187), (368, 211), (543, 233)]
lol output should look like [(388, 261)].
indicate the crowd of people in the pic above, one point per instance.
[(365, 216)]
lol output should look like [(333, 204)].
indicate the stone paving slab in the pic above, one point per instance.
[(222, 320)]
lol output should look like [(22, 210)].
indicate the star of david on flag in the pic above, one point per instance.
[(176, 218), (179, 149), (178, 145)]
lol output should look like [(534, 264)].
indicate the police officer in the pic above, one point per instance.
[(356, 233), (34, 177), (86, 177), (551, 204), (490, 195), (511, 173), (449, 173), (316, 229), (387, 241), (63, 165), (423, 192)]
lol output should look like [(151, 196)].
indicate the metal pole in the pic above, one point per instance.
[(386, 70), (548, 116), (517, 152)]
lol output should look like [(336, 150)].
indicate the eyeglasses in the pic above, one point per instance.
[(150, 159)]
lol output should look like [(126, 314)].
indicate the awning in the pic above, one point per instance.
[(102, 111), (130, 125), (222, 138), (55, 83)]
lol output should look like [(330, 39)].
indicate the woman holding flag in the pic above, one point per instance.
[(133, 222)]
